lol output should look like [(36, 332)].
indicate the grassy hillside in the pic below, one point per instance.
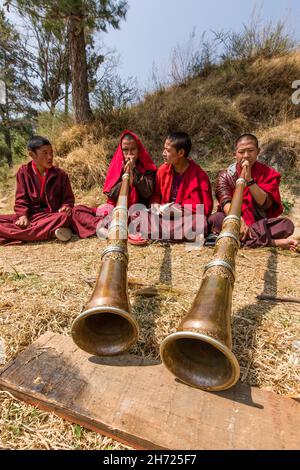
[(232, 98)]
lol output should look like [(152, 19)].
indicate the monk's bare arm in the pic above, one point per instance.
[(259, 195)]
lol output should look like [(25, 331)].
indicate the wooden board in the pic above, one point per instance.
[(141, 404)]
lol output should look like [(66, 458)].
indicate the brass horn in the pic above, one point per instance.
[(199, 353), (106, 325)]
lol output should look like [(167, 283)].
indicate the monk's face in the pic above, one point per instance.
[(130, 150), (171, 155), (43, 157), (246, 150)]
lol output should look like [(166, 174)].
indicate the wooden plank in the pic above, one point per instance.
[(140, 403)]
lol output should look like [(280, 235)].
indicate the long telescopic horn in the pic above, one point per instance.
[(106, 325), (199, 353)]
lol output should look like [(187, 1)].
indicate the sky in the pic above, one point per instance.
[(154, 27)]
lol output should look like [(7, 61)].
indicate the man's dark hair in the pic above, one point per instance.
[(36, 142), (181, 140), (247, 137)]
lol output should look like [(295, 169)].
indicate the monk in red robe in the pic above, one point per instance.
[(44, 200), (261, 207), (130, 156), (180, 184)]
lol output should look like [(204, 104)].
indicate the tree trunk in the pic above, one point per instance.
[(67, 97), (52, 109), (80, 95)]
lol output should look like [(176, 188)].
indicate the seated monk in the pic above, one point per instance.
[(130, 156), (260, 224), (44, 200), (182, 188)]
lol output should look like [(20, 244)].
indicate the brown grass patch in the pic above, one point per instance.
[(48, 294), (86, 166)]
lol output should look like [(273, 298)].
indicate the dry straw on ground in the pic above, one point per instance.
[(49, 292), (48, 295)]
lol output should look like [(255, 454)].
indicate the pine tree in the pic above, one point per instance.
[(16, 110), (84, 17)]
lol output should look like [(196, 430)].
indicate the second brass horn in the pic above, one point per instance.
[(199, 353), (106, 326)]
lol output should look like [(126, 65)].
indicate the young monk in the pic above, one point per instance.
[(180, 183), (260, 224), (130, 156), (44, 200)]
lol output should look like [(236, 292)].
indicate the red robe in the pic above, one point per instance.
[(268, 180), (86, 219), (41, 209), (265, 177), (194, 189), (265, 225), (115, 169)]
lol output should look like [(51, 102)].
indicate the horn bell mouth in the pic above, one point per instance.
[(104, 331), (200, 361)]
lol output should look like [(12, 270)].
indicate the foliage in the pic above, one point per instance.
[(17, 111), (83, 18), (255, 41)]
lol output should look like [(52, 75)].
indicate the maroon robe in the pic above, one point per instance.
[(264, 223), (192, 188), (41, 210)]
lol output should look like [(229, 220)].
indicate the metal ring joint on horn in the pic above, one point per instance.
[(113, 249), (220, 262), (231, 217), (241, 181), (228, 235)]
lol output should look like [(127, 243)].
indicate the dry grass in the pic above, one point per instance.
[(281, 146), (50, 292), (71, 138), (86, 166), (233, 98)]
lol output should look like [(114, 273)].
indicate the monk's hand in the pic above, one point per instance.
[(246, 165), (23, 222), (132, 160), (129, 165), (244, 230), (66, 209)]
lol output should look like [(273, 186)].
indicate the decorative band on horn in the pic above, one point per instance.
[(220, 262), (228, 235), (112, 249), (241, 181), (231, 217)]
